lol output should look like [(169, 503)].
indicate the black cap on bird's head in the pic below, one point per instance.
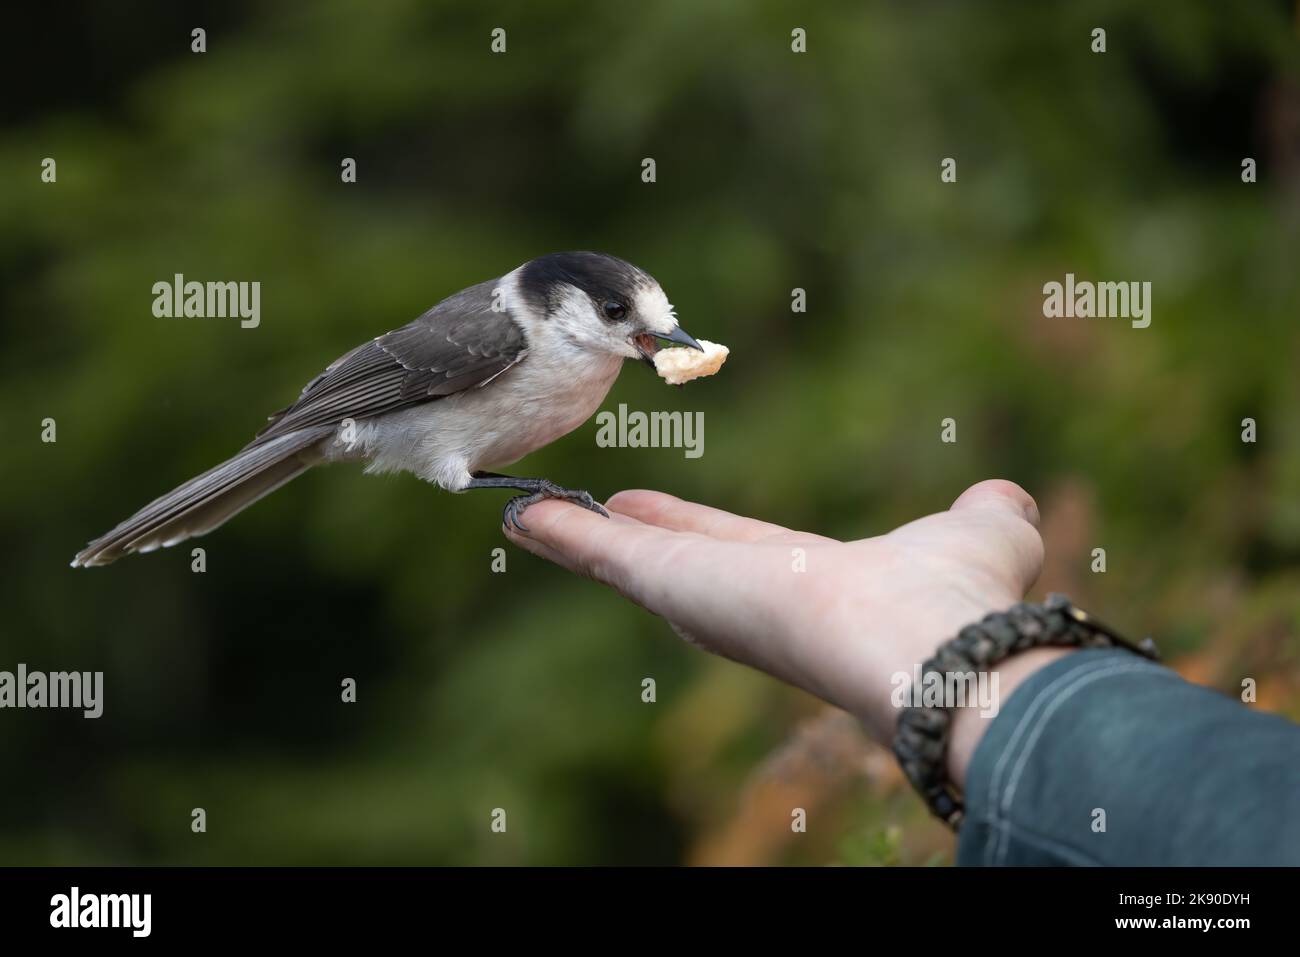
[(613, 305)]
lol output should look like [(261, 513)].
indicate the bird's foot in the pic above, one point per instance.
[(515, 507)]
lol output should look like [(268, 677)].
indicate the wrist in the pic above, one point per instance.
[(970, 724), (909, 639), (969, 668)]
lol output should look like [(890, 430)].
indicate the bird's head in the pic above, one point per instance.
[(602, 304)]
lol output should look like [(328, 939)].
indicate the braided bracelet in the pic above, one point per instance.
[(921, 741)]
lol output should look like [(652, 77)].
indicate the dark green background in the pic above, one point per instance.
[(775, 170)]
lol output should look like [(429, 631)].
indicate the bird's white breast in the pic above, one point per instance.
[(555, 388)]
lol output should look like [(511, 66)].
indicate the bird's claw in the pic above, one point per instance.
[(516, 506)]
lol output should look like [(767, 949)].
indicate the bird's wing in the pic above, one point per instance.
[(458, 344)]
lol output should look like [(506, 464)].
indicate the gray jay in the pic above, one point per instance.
[(486, 376)]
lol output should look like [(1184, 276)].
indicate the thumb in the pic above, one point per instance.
[(999, 494), (1006, 518)]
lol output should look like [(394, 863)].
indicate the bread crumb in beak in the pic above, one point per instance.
[(676, 366)]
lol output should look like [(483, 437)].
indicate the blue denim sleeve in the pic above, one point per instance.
[(1103, 757)]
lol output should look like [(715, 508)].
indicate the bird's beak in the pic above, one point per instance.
[(647, 345), (680, 335)]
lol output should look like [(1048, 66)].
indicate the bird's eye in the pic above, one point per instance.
[(615, 310)]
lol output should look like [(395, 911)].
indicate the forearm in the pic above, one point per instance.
[(1106, 758)]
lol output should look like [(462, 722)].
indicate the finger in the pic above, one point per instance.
[(619, 551), (673, 574), (582, 541), (670, 512)]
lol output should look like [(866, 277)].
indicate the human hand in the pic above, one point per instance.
[(859, 613)]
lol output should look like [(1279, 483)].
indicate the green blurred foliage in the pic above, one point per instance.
[(775, 170)]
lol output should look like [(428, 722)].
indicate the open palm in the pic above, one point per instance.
[(838, 619)]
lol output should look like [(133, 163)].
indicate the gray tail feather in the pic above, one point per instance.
[(207, 500)]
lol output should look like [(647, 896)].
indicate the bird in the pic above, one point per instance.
[(488, 375)]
